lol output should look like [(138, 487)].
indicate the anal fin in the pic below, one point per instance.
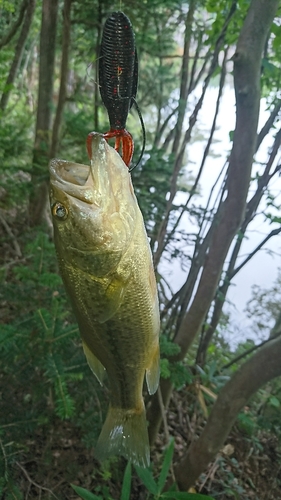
[(93, 362)]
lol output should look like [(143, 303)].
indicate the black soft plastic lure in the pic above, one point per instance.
[(118, 82)]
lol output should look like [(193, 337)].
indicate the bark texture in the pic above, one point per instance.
[(39, 194), (64, 75), (247, 64)]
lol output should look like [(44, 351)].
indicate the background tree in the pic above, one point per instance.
[(38, 197)]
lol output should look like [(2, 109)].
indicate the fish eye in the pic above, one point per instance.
[(59, 211)]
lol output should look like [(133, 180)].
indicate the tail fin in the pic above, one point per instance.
[(124, 433)]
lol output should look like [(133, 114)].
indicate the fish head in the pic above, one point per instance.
[(93, 209)]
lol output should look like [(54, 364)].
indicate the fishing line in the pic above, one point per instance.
[(143, 134)]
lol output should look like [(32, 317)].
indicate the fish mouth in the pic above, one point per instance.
[(78, 180), (72, 179), (66, 172), (99, 184)]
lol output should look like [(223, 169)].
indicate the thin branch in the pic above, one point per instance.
[(12, 236), (164, 418), (268, 124), (13, 29), (14, 424), (34, 483), (18, 53), (249, 351), (272, 233), (195, 61), (213, 127), (161, 131), (206, 151), (192, 120), (175, 132), (207, 333), (6, 474)]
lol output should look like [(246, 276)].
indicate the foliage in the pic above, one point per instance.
[(44, 324), (41, 355), (155, 488), (264, 306)]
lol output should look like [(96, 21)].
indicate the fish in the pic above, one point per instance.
[(106, 265)]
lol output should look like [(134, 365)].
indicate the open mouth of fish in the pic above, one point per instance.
[(83, 182), (73, 179)]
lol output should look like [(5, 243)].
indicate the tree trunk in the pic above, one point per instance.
[(247, 64), (97, 51), (234, 395), (38, 198), (64, 76), (18, 53)]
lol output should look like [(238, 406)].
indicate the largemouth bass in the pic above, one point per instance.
[(106, 265)]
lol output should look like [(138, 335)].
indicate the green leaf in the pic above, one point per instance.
[(180, 375), (268, 66), (181, 495), (126, 486), (167, 347), (85, 494), (165, 368), (246, 423), (168, 456), (274, 402), (147, 479), (231, 135)]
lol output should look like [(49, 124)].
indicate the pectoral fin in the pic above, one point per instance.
[(113, 299), (93, 362), (153, 371)]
